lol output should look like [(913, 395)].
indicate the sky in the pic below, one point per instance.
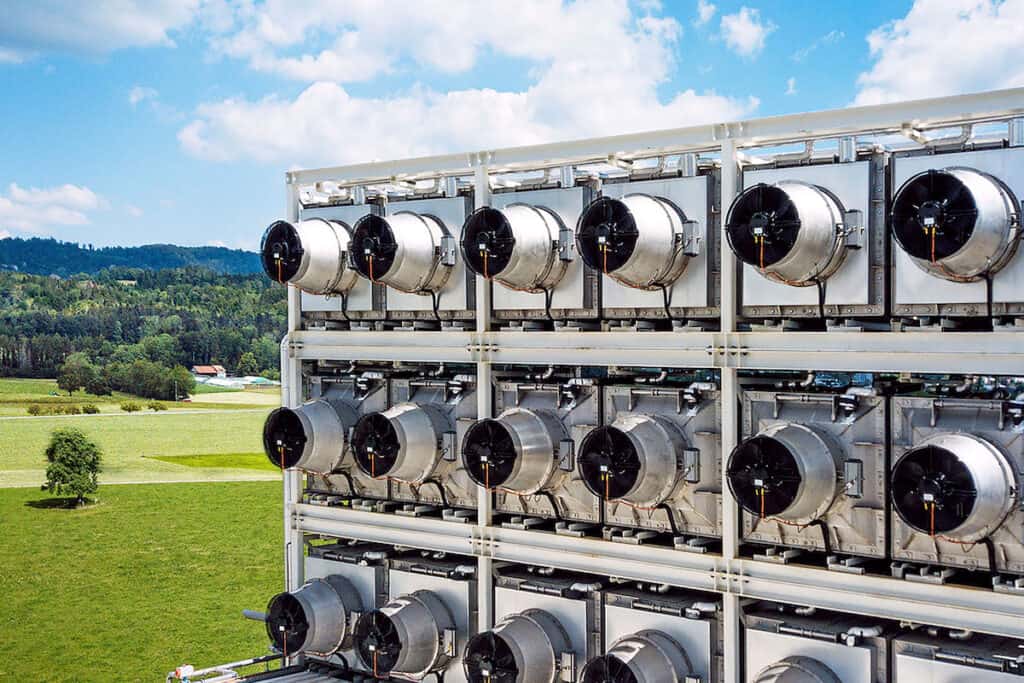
[(129, 122)]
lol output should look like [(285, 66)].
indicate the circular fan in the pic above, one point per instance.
[(287, 623), (763, 225), (933, 215), (487, 242), (375, 444), (377, 641), (489, 659), (284, 438), (609, 462), (932, 489), (281, 251), (608, 669), (606, 234), (489, 453), (373, 247), (764, 476)]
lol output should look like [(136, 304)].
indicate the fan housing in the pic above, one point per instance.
[(521, 648), (403, 251), (311, 437), (797, 669), (315, 619), (402, 442), (645, 657), (404, 637), (517, 452), (310, 254), (518, 246)]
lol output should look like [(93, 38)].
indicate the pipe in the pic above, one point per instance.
[(963, 634), (864, 631), (805, 611), (254, 615)]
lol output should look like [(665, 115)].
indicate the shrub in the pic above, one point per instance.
[(131, 406), (71, 410), (90, 409), (74, 464), (156, 406), (35, 409)]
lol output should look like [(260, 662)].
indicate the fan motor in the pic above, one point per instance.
[(310, 254), (518, 246), (403, 251), (402, 442), (797, 669), (644, 657), (311, 436), (521, 648), (315, 619), (516, 452), (405, 636)]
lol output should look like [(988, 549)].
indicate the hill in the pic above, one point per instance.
[(53, 257)]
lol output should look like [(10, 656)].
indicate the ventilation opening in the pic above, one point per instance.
[(375, 444), (763, 476), (933, 490), (763, 225), (489, 453), (609, 463), (287, 623), (377, 642), (281, 251), (487, 242), (933, 215), (373, 247), (489, 659), (608, 669), (284, 438), (606, 235)]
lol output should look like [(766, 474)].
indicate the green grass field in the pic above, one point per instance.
[(152, 577)]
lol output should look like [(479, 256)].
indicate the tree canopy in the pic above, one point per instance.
[(74, 464)]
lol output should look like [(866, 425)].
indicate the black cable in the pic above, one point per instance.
[(824, 534), (348, 479), (435, 482), (821, 297), (991, 548), (548, 294), (671, 518), (988, 298), (666, 299), (435, 300), (344, 306), (551, 501)]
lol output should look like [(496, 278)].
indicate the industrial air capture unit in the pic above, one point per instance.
[(655, 244), (955, 222), (812, 241), (809, 474), (523, 242), (656, 461), (527, 454), (955, 482), (786, 643), (314, 437), (944, 656)]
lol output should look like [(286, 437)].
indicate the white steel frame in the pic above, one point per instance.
[(733, 577)]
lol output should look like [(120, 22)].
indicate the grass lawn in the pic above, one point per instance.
[(247, 461), (152, 577)]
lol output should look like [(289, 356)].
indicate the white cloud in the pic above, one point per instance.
[(830, 38), (944, 47), (10, 56), (35, 209), (745, 33), (572, 94), (4, 234), (91, 28), (705, 11), (133, 211), (791, 86), (140, 93)]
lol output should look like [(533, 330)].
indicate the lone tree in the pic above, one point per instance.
[(74, 464), (76, 372)]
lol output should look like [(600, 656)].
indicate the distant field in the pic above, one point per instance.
[(150, 578)]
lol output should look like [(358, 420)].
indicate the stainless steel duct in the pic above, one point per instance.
[(406, 250), (645, 657), (402, 442), (789, 471), (518, 246), (956, 223), (406, 637), (521, 648), (517, 452), (310, 437), (792, 232), (316, 619), (956, 485), (636, 459), (310, 254), (642, 241), (797, 669)]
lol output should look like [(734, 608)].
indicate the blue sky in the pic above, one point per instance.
[(173, 121)]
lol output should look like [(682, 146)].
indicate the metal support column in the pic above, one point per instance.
[(293, 566)]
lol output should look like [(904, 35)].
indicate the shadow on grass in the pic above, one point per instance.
[(58, 504)]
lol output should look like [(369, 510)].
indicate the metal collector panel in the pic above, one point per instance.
[(697, 498), (574, 500), (457, 297), (365, 300), (857, 524), (695, 293), (975, 658), (576, 295), (858, 287), (915, 292)]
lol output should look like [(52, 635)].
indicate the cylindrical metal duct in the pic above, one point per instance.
[(405, 637), (310, 254), (316, 619), (956, 223), (311, 437), (638, 240), (521, 648), (636, 459), (644, 657), (797, 669), (956, 485), (403, 251), (789, 471), (403, 442), (517, 452), (790, 231), (517, 246)]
